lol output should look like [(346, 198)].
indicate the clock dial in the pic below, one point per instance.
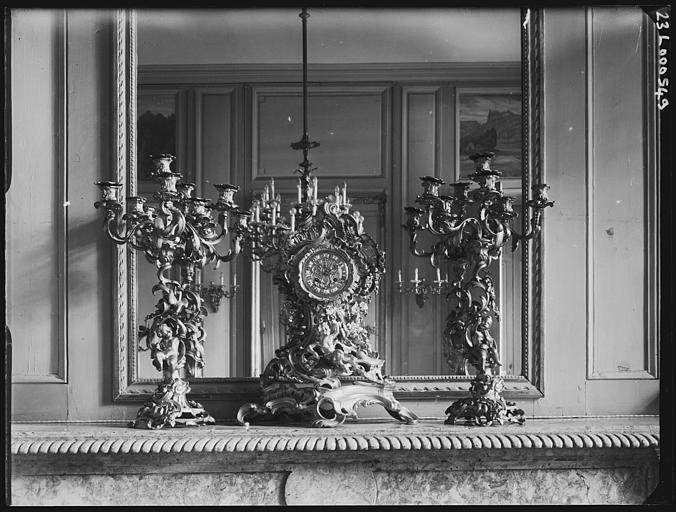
[(326, 273)]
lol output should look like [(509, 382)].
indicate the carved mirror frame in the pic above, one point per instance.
[(129, 387)]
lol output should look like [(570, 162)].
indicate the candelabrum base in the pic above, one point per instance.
[(169, 407), (325, 404), (483, 411)]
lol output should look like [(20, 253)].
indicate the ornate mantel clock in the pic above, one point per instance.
[(327, 267)]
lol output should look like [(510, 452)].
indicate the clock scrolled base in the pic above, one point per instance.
[(327, 403)]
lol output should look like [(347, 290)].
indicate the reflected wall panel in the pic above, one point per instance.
[(421, 344), (214, 165)]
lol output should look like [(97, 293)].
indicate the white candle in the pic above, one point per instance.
[(257, 213), (234, 280), (274, 215), (336, 192), (272, 187), (314, 188), (415, 278), (298, 186), (344, 192), (399, 280), (438, 275), (292, 212)]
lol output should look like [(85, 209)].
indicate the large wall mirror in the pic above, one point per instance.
[(394, 95)]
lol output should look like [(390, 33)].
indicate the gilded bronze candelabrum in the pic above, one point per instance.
[(178, 234), (469, 229), (328, 268)]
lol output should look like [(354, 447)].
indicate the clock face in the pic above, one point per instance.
[(326, 273)]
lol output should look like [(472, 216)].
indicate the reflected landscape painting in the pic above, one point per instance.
[(490, 122)]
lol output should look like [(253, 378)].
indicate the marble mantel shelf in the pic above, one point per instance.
[(101, 438), (591, 460)]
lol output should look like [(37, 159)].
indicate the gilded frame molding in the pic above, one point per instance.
[(127, 387)]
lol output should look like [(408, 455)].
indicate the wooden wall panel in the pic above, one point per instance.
[(619, 241), (37, 203)]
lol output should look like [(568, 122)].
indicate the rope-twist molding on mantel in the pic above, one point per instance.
[(315, 443)]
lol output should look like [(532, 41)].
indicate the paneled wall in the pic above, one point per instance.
[(599, 254), (599, 281)]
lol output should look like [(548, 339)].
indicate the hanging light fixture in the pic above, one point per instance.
[(327, 268)]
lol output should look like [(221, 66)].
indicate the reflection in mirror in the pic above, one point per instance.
[(394, 95)]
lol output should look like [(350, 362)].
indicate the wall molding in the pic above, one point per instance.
[(124, 166), (425, 436), (157, 74)]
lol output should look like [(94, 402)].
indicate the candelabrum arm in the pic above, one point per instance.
[(232, 252), (539, 202), (172, 223), (533, 229), (114, 225), (124, 228), (413, 245)]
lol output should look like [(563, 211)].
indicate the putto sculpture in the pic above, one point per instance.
[(327, 268), (469, 229), (178, 234)]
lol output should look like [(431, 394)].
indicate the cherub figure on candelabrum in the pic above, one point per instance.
[(167, 352)]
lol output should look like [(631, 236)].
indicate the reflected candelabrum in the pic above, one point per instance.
[(178, 234), (469, 229), (214, 293)]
